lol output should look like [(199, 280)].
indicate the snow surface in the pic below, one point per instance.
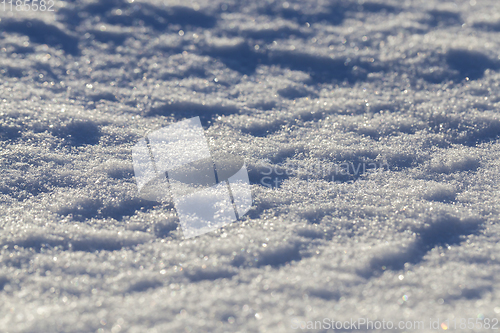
[(298, 86)]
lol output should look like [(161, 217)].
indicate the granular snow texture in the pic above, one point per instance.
[(412, 85)]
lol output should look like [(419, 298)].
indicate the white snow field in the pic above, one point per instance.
[(369, 129)]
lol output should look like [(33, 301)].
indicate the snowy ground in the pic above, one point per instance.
[(412, 85)]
